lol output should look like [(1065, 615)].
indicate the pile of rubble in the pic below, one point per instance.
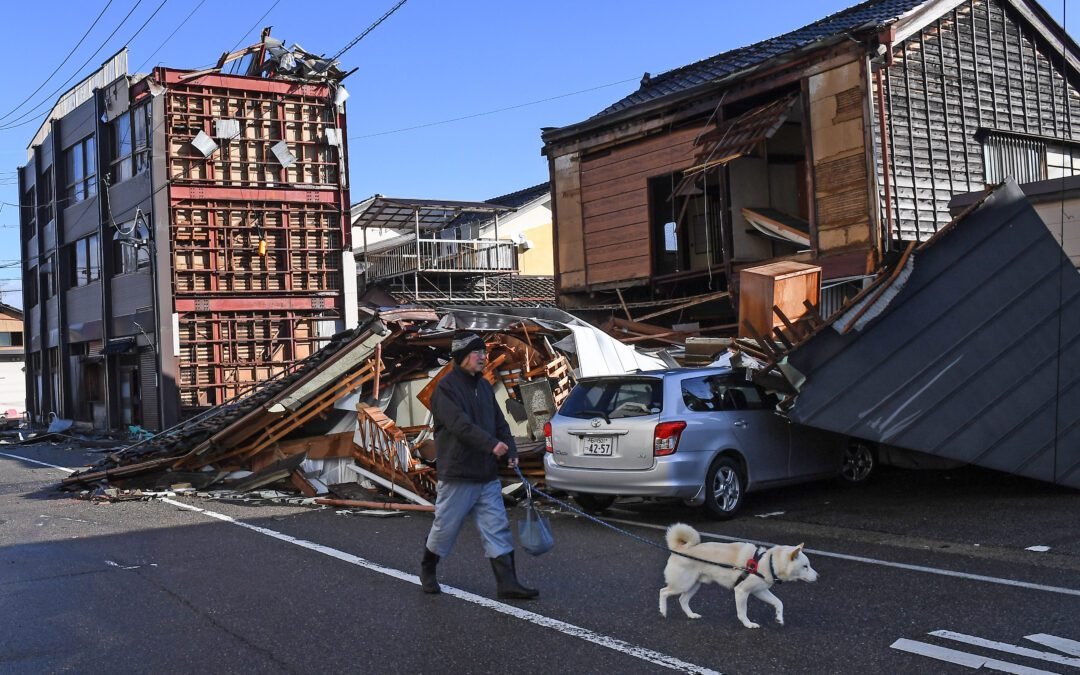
[(351, 425)]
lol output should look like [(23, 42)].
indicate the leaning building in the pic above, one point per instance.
[(185, 235)]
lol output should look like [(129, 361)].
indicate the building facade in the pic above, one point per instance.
[(835, 144), (184, 235)]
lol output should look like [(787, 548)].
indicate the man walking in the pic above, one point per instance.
[(471, 435)]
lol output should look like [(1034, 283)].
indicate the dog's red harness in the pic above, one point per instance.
[(751, 567)]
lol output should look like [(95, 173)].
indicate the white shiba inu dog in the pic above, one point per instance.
[(743, 567)]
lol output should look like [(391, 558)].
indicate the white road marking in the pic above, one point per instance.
[(1005, 647), (510, 610), (123, 567), (1038, 549), (1061, 644), (882, 563), (932, 651), (964, 659), (768, 515), (34, 461)]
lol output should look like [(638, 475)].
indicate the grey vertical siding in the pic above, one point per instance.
[(149, 385), (975, 68)]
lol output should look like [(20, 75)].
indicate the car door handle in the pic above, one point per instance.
[(740, 423)]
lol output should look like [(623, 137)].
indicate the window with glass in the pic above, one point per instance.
[(130, 144), (1027, 158), (134, 256), (31, 288), (48, 277), (87, 261), (45, 203), (80, 163)]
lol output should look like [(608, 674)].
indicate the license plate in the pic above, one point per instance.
[(597, 445)]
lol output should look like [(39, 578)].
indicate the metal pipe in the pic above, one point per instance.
[(416, 269), (886, 182)]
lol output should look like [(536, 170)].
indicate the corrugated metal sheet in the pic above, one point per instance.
[(973, 356), (112, 69)]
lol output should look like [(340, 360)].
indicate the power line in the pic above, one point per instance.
[(115, 31), (54, 72), (254, 26), (492, 112), (370, 28), (171, 35)]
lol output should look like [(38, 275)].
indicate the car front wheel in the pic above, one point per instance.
[(858, 464), (725, 486)]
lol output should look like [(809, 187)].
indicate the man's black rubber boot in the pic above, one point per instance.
[(428, 582), (506, 577)]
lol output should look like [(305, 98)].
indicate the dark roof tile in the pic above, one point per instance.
[(870, 13)]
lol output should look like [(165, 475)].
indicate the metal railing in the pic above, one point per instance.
[(474, 256)]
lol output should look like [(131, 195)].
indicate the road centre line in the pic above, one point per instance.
[(883, 563), (34, 461), (964, 658), (503, 608)]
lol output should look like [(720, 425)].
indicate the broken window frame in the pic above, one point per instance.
[(670, 223)]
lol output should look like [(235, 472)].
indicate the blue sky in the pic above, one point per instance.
[(430, 62)]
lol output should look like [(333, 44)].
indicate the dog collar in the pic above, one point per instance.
[(772, 571)]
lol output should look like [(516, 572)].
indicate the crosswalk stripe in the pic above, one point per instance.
[(964, 658), (1061, 644), (1005, 647)]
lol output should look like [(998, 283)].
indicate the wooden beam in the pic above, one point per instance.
[(690, 303), (391, 506)]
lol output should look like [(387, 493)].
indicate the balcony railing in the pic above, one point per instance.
[(472, 256)]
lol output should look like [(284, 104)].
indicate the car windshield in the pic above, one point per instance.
[(614, 399)]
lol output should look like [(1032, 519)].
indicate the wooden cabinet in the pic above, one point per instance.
[(785, 284)]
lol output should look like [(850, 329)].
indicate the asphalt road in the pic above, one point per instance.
[(915, 567)]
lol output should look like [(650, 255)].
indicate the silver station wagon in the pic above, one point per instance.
[(704, 435)]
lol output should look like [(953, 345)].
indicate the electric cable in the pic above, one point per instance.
[(129, 41), (59, 89), (54, 72)]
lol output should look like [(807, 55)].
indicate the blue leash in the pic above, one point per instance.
[(530, 489)]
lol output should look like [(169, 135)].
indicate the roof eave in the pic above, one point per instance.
[(558, 135)]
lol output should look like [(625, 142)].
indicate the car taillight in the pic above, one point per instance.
[(548, 445), (666, 438)]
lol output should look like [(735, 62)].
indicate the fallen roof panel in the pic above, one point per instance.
[(972, 354)]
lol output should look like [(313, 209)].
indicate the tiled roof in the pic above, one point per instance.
[(513, 200), (864, 15)]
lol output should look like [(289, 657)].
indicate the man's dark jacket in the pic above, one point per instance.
[(468, 424)]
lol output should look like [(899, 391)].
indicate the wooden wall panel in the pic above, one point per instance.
[(841, 191), (615, 203), (978, 66), (567, 220)]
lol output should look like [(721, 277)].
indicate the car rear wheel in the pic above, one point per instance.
[(594, 503), (858, 464), (725, 486)]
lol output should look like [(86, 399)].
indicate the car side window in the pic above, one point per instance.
[(721, 392)]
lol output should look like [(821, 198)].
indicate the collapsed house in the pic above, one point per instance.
[(358, 409), (830, 145), (968, 349)]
